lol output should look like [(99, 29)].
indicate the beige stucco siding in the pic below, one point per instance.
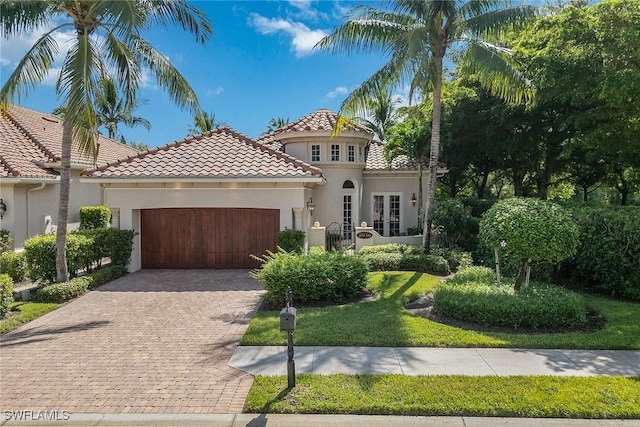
[(404, 185)]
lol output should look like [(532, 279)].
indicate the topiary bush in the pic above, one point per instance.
[(330, 277), (291, 240), (6, 241), (608, 256), (6, 294), (529, 230), (538, 306), (95, 217), (14, 264)]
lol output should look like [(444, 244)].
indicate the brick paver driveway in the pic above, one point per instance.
[(155, 341)]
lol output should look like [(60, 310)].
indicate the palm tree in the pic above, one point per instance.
[(380, 112), (107, 39), (417, 35), (203, 122), (276, 123), (112, 109)]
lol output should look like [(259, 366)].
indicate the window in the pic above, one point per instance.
[(335, 152), (351, 153), (315, 153), (360, 157)]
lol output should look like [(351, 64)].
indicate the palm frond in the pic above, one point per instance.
[(19, 17), (167, 76), (32, 68), (182, 14), (124, 68), (495, 22)]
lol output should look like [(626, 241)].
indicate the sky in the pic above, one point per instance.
[(259, 64)]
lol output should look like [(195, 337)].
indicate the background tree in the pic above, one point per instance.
[(416, 36), (204, 122), (107, 38), (380, 112), (276, 123)]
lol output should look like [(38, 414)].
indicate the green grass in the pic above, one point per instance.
[(26, 312), (520, 396), (386, 323)]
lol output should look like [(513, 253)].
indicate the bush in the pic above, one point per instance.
[(6, 241), (538, 306), (474, 274), (106, 274), (291, 240), (391, 248), (6, 294), (334, 277), (92, 217), (458, 228), (529, 230), (383, 261), (61, 292), (40, 255), (98, 246), (120, 244), (608, 256), (456, 258), (13, 264)]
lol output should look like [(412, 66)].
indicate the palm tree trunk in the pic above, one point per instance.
[(419, 190), (433, 157), (62, 273)]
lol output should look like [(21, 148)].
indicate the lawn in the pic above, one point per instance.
[(24, 312), (385, 322), (518, 396)]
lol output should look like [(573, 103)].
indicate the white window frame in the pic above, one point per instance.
[(335, 152), (319, 153)]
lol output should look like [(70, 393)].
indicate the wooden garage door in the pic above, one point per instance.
[(207, 238)]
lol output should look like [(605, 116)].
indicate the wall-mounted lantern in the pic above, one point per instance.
[(413, 199), (311, 206), (3, 208)]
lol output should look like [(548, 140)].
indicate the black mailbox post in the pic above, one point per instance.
[(288, 325)]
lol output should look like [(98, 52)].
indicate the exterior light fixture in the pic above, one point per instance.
[(311, 206), (3, 208), (413, 199)]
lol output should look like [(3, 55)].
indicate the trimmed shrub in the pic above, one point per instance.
[(291, 240), (538, 306), (106, 274), (530, 231), (457, 227), (333, 277), (382, 261), (61, 292), (391, 248), (608, 256), (6, 294), (120, 244), (40, 255), (13, 264), (474, 274), (94, 217), (98, 246), (6, 241)]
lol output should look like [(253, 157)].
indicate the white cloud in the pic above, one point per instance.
[(305, 11), (340, 12), (303, 39), (340, 90), (214, 92)]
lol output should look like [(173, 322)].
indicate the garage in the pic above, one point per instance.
[(206, 237)]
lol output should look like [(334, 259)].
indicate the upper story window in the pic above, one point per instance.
[(335, 152), (315, 153), (351, 153), (360, 155)]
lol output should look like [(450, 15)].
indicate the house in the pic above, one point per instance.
[(30, 153), (211, 200)]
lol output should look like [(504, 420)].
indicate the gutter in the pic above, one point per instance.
[(29, 191)]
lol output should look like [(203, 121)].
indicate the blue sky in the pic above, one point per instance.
[(259, 64)]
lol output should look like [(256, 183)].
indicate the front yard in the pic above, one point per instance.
[(386, 322)]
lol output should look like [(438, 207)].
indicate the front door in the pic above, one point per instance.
[(386, 214)]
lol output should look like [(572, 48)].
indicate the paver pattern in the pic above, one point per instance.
[(155, 341)]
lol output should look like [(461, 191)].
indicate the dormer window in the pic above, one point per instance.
[(315, 153), (335, 152), (351, 153)]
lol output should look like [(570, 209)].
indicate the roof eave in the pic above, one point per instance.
[(140, 180)]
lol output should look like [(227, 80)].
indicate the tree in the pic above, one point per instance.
[(531, 231), (203, 122), (416, 36), (380, 112), (276, 123), (113, 109), (107, 39)]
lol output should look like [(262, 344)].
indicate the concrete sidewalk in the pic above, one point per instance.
[(271, 360)]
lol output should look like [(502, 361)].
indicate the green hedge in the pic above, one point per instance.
[(61, 292), (6, 294), (474, 274), (120, 244), (95, 217), (382, 261), (40, 255), (538, 306), (392, 248), (330, 277), (14, 264), (291, 240), (608, 257), (6, 241)]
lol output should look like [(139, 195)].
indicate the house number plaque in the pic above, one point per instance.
[(364, 235)]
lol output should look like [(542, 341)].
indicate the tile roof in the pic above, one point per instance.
[(322, 120), (221, 153), (30, 138), (377, 162)]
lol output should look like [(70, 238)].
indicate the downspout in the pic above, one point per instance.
[(38, 188)]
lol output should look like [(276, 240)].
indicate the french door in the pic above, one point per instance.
[(386, 214)]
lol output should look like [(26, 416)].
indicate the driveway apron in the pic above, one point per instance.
[(155, 341)]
